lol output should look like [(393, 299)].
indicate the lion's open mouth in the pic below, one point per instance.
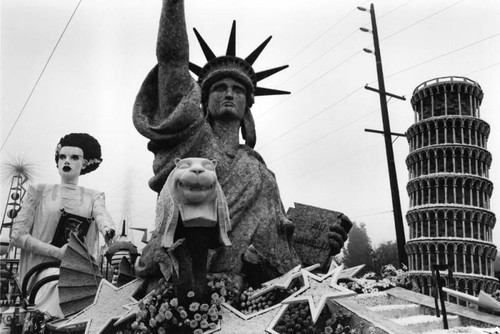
[(195, 186)]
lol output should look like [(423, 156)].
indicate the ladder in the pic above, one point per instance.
[(12, 208)]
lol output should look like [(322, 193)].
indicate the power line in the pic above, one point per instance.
[(444, 54), (312, 117), (311, 82), (40, 76), (323, 137), (321, 55), (331, 48), (483, 68), (320, 36), (314, 171), (395, 9), (326, 135), (304, 87), (421, 20), (373, 214), (314, 60)]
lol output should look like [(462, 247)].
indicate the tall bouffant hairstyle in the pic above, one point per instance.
[(90, 147)]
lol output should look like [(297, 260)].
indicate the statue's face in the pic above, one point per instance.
[(70, 162), (227, 99)]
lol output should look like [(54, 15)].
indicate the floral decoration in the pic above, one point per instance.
[(161, 313)]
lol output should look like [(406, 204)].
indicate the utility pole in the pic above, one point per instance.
[(396, 202)]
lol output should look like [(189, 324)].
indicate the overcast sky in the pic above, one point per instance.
[(313, 139)]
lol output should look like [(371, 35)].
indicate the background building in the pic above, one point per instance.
[(449, 216)]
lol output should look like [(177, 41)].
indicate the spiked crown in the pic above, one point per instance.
[(230, 65)]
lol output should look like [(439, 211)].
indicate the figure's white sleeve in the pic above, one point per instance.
[(101, 215), (23, 225)]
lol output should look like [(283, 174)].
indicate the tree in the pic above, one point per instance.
[(387, 253), (359, 249)]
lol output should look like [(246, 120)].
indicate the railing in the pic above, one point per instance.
[(439, 80)]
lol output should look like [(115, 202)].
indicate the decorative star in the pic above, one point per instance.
[(132, 309), (283, 282), (333, 266), (317, 290), (347, 273), (108, 305), (282, 277), (234, 321)]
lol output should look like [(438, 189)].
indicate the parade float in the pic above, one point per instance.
[(224, 257)]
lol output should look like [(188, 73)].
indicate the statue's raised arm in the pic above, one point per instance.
[(172, 52)]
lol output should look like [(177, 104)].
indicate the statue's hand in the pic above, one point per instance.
[(338, 234)]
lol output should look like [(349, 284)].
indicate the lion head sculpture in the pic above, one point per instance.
[(194, 181), (193, 194)]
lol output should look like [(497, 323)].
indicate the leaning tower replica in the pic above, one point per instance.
[(449, 217)]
